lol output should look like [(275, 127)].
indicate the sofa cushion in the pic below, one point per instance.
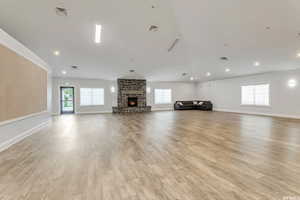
[(180, 103), (187, 103)]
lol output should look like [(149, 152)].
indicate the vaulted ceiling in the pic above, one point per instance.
[(267, 31)]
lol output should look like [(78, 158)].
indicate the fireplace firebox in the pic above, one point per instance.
[(132, 101)]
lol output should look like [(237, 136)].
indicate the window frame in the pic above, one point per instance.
[(162, 103), (256, 105), (92, 96)]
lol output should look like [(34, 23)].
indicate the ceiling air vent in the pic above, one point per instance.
[(75, 67), (60, 11), (224, 58), (153, 28), (173, 44)]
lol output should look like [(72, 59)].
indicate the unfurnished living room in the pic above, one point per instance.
[(149, 100)]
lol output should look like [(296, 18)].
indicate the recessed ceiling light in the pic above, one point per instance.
[(227, 70), (298, 55), (98, 30), (192, 78), (256, 63), (64, 72), (208, 74), (57, 53), (292, 83)]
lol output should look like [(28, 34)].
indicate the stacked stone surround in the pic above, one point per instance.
[(131, 88)]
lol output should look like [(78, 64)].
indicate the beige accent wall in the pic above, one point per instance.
[(23, 86)]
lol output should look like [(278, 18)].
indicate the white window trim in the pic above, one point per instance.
[(91, 104), (162, 103), (256, 105)]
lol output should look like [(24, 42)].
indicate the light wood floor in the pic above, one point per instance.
[(185, 155)]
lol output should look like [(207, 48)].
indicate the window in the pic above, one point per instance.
[(162, 96), (91, 96), (256, 95)]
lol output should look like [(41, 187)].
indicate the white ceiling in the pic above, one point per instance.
[(208, 30)]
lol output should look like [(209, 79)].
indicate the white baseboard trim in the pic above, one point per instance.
[(162, 109), (5, 145), (258, 113), (93, 112), (106, 112), (22, 118)]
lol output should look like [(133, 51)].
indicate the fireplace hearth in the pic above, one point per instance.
[(131, 96)]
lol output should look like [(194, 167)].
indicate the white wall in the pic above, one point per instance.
[(180, 91), (109, 101), (226, 94), (14, 130)]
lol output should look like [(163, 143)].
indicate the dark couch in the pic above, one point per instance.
[(193, 105)]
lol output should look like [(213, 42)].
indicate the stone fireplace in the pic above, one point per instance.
[(131, 96)]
